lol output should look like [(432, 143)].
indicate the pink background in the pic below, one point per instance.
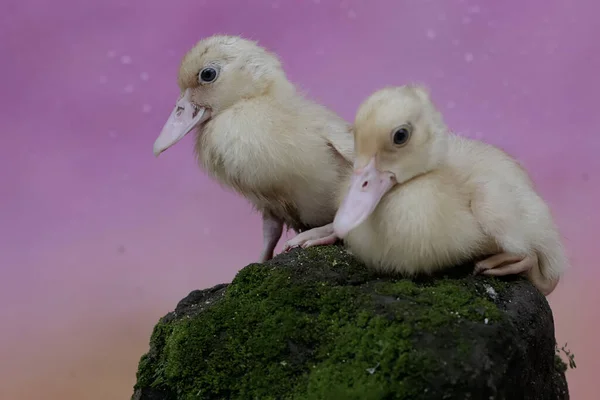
[(98, 238)]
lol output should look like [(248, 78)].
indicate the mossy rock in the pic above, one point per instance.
[(316, 324)]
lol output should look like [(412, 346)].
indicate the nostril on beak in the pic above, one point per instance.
[(365, 184)]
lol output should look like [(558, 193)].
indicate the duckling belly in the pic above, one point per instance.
[(420, 230), (300, 191)]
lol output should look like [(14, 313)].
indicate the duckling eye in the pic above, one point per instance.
[(401, 135), (208, 75)]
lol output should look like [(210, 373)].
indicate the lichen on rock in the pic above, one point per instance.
[(316, 324)]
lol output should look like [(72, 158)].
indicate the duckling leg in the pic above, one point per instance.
[(509, 264), (499, 216), (320, 236), (272, 230), (506, 264)]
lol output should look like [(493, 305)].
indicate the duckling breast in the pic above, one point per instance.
[(281, 163), (420, 227)]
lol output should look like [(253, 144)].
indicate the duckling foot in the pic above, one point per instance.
[(506, 264), (320, 236), (510, 264)]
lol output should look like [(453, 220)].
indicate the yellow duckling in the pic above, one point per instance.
[(422, 199), (250, 123)]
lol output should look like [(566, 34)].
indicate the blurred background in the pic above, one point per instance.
[(99, 239)]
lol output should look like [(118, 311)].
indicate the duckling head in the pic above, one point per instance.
[(216, 73), (398, 135)]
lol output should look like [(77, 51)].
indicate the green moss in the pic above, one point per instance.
[(151, 370), (374, 357), (559, 364), (315, 327)]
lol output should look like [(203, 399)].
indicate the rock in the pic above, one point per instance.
[(316, 324)]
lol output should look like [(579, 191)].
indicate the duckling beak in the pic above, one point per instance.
[(185, 117), (367, 187)]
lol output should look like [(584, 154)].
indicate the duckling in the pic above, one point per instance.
[(422, 199), (259, 136)]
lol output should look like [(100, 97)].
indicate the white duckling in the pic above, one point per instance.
[(256, 134), (422, 199)]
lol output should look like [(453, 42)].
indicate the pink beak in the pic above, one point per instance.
[(185, 117), (366, 190)]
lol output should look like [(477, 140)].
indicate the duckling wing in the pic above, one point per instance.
[(342, 142)]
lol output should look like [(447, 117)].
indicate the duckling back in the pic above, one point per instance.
[(513, 205)]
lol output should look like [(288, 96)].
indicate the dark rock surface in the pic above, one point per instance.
[(315, 324)]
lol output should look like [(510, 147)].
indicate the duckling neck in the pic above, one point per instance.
[(438, 156), (439, 151), (436, 159)]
